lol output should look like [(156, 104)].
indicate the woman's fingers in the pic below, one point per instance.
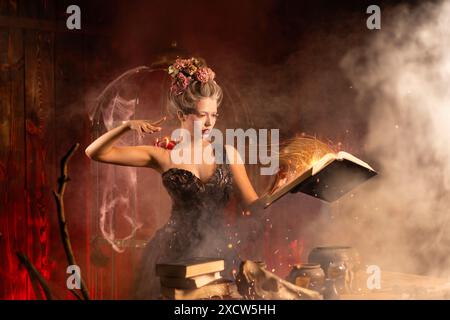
[(153, 125), (153, 128), (145, 126), (140, 131), (159, 121), (148, 128)]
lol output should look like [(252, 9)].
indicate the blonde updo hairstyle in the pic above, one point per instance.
[(186, 102)]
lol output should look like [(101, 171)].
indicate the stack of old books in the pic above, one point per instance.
[(197, 278)]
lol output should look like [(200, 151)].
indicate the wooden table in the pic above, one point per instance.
[(400, 286)]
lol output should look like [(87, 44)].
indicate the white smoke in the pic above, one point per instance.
[(400, 220)]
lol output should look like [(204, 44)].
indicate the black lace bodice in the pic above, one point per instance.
[(196, 225), (195, 202), (188, 192)]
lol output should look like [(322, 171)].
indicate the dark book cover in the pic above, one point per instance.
[(335, 180)]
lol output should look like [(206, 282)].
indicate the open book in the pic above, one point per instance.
[(328, 179)]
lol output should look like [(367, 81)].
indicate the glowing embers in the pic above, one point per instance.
[(300, 153), (297, 155)]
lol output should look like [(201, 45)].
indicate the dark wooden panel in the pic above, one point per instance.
[(70, 126), (41, 9), (8, 7), (40, 160), (13, 228)]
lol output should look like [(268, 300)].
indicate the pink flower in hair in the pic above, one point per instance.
[(183, 71), (205, 74), (179, 64), (180, 83)]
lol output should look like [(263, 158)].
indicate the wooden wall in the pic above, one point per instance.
[(44, 74), (27, 148)]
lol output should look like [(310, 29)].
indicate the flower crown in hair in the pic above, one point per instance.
[(184, 71)]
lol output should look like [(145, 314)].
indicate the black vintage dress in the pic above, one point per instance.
[(195, 228)]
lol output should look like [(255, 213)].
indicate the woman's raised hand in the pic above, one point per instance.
[(145, 126)]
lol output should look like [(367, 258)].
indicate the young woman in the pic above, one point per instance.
[(199, 191)]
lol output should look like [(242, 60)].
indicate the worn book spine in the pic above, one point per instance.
[(187, 271), (205, 292), (190, 283)]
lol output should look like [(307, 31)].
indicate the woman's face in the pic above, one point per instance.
[(205, 119)]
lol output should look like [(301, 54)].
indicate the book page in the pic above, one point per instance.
[(348, 156), (276, 194), (292, 178), (323, 162)]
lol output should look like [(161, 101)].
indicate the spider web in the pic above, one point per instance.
[(117, 186)]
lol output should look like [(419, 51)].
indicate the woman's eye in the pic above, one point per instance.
[(202, 115)]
